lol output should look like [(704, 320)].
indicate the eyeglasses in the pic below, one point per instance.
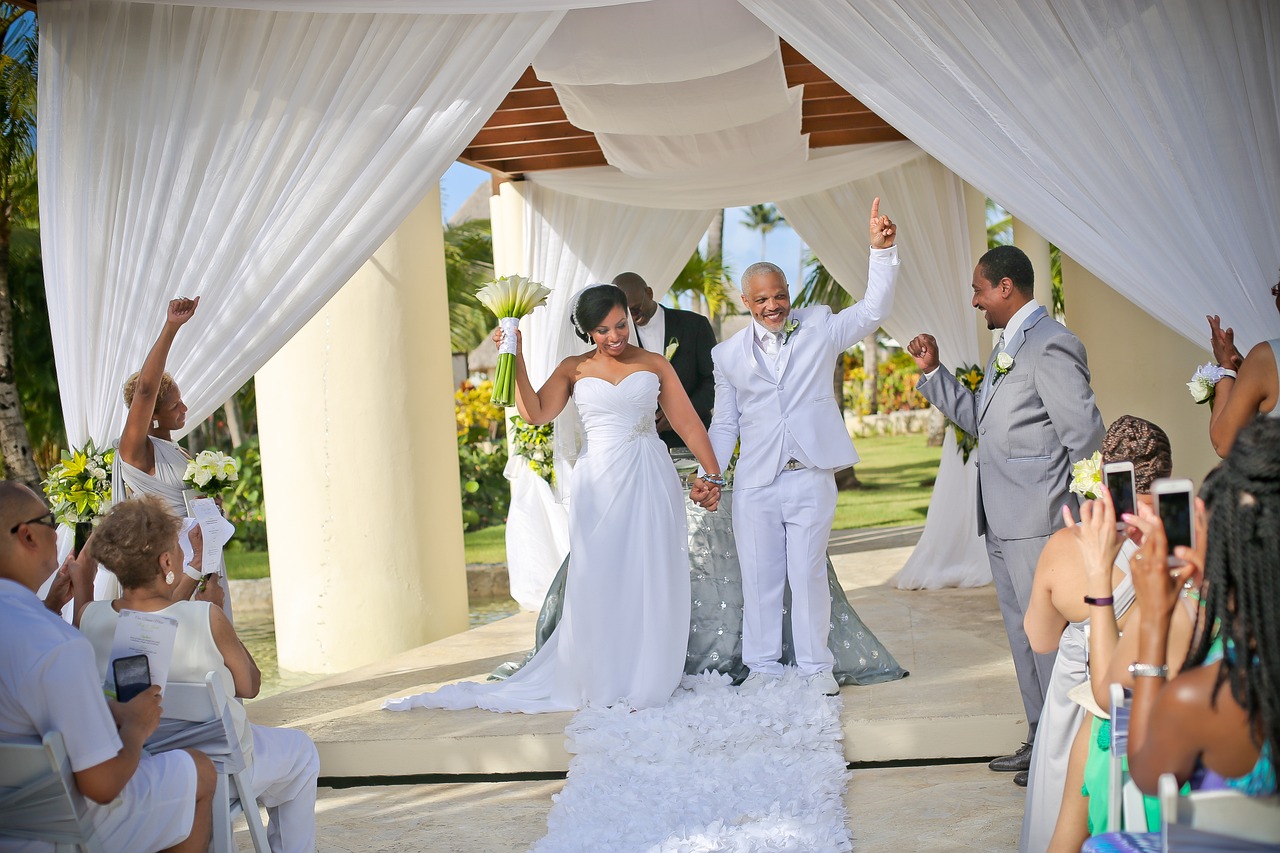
[(47, 520)]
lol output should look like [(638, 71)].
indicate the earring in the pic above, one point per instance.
[(155, 423), (169, 579)]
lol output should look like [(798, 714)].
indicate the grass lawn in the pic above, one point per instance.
[(247, 565), (896, 471)]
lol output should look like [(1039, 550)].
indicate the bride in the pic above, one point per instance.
[(628, 595)]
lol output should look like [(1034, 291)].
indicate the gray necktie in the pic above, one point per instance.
[(990, 378)]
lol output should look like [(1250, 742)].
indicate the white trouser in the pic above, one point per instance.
[(781, 531), (285, 768)]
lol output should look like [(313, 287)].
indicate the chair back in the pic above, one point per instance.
[(1125, 806), (38, 796), (1220, 820), (196, 715)]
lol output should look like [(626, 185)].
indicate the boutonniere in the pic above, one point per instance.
[(788, 330), (672, 346), (1004, 363)]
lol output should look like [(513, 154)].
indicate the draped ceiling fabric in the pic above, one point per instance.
[(1142, 136), (927, 202), (253, 158)]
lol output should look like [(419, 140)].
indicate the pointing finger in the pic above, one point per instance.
[(875, 209)]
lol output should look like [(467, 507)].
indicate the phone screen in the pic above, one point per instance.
[(133, 675), (1175, 513), (1120, 484)]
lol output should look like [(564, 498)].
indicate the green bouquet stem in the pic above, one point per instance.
[(504, 381)]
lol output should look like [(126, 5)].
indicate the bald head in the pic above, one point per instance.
[(640, 301), (28, 539)]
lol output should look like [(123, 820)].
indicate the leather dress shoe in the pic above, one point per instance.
[(1020, 760), (1020, 778)]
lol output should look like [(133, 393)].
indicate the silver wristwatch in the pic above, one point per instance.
[(1148, 670)]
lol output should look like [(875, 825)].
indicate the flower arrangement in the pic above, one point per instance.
[(1204, 381), (1086, 477), (79, 486), (970, 376), (789, 329), (509, 298), (535, 444), (211, 472), (1004, 363)]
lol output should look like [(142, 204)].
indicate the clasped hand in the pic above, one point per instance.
[(705, 495)]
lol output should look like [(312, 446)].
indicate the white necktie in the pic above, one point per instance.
[(771, 343)]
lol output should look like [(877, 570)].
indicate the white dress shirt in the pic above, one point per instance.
[(772, 361), (653, 334)]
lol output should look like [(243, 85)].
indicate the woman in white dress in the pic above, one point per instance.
[(628, 593)]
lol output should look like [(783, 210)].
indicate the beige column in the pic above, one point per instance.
[(1140, 367), (975, 212), (1037, 249), (506, 214), (360, 467)]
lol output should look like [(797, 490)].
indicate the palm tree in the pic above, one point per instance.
[(763, 218), (17, 207), (468, 263), (708, 280)]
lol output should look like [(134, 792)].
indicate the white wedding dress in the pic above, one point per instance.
[(623, 636)]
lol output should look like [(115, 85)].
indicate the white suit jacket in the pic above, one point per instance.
[(754, 405)]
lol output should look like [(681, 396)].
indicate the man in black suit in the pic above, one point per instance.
[(684, 337)]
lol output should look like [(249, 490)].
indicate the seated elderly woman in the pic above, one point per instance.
[(1059, 619), (1217, 721), (138, 541)]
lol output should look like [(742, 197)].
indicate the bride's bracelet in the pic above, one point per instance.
[(714, 479)]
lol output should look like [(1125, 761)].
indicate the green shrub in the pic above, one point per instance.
[(482, 456), (245, 504)]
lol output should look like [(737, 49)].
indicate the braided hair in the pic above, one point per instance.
[(1132, 439), (1241, 593)]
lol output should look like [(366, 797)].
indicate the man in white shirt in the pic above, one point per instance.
[(49, 682), (1034, 416)]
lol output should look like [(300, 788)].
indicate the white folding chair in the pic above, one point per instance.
[(1124, 799), (1220, 821), (39, 798), (197, 716)]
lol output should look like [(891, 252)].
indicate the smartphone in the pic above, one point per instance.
[(1119, 479), (132, 675), (1175, 499)]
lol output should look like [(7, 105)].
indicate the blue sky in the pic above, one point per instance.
[(741, 245)]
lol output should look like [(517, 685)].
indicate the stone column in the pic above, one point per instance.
[(1140, 367), (1037, 249), (360, 466), (506, 215)]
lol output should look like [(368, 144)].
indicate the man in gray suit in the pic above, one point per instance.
[(1034, 415)]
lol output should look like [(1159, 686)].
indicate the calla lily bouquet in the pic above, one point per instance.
[(1086, 477), (79, 486), (509, 298), (211, 472)]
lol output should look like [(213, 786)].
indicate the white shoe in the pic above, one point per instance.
[(824, 681), (756, 681)]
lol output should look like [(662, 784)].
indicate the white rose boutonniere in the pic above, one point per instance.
[(1203, 382), (1086, 477), (672, 346), (788, 330), (1004, 363)]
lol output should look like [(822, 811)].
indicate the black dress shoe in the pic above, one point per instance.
[(1020, 760), (1020, 778)]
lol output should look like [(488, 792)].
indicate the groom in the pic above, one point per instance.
[(773, 391), (1034, 415)]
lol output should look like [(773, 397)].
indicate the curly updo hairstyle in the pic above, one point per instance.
[(1241, 592), (131, 537), (593, 305), (1131, 439), (131, 386)]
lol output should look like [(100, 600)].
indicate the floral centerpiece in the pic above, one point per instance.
[(535, 444), (211, 472), (1086, 477), (509, 298), (79, 486), (970, 376)]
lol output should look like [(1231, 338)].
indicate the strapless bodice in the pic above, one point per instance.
[(618, 413)]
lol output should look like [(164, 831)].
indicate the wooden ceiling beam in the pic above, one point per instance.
[(534, 148), (517, 166), (533, 115), (518, 99), (832, 138), (528, 133), (861, 121), (846, 106)]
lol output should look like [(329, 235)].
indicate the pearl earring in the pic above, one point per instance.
[(169, 579)]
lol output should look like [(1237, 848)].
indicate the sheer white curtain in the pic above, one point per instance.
[(417, 7), (252, 158), (1142, 137), (926, 200), (571, 242)]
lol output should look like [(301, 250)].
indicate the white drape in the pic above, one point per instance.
[(255, 159), (398, 7), (926, 200), (571, 242), (1143, 136)]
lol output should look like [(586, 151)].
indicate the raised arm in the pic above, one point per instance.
[(134, 446), (541, 406), (1237, 401), (861, 319)]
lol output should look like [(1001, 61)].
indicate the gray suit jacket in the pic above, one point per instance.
[(1037, 420)]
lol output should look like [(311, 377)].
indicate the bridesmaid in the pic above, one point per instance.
[(148, 460)]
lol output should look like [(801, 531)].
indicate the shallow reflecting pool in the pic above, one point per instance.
[(257, 629)]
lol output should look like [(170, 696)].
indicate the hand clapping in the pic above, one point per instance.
[(1223, 342)]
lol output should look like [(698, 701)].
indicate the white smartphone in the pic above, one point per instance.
[(1175, 499), (1119, 479)]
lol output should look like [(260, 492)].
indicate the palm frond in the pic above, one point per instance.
[(820, 287)]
